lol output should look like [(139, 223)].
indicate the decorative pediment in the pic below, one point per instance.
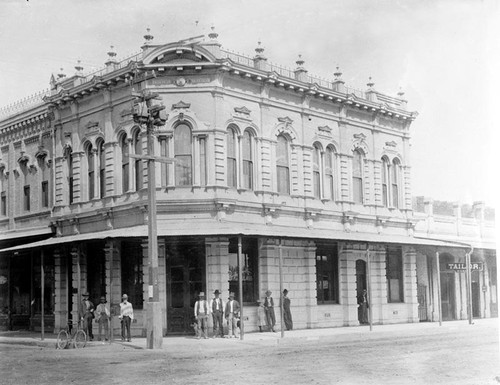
[(325, 129), (359, 141), (391, 144), (242, 110), (360, 137), (286, 120), (41, 153), (92, 126), (180, 105)]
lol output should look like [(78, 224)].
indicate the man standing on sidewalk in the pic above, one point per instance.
[(231, 313), (126, 316), (102, 318), (201, 313), (363, 306), (269, 309), (86, 315), (217, 308)]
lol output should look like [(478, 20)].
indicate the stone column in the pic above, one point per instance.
[(347, 283), (78, 184), (61, 290)]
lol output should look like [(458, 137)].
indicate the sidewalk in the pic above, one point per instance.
[(185, 344)]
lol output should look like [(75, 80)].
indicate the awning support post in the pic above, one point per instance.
[(280, 252), (369, 286), (240, 286), (42, 272), (438, 269)]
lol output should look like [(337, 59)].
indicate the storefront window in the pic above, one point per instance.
[(49, 284), (250, 255), (327, 282), (394, 273), (132, 277)]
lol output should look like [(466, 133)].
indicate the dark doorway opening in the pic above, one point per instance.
[(185, 271), (360, 283)]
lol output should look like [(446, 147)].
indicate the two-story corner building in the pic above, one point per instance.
[(306, 179)]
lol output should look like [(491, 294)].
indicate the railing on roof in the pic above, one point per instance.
[(31, 101), (121, 64), (238, 58)]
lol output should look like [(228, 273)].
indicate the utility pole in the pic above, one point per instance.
[(145, 113)]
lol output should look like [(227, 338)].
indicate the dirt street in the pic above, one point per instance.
[(464, 355)]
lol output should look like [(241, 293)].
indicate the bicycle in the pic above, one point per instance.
[(71, 336)]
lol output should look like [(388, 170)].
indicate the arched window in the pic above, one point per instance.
[(282, 166), (183, 155), (247, 151), (396, 166), (317, 171), (125, 163), (90, 171), (385, 181), (138, 162), (232, 167), (329, 174), (44, 183), (102, 169), (357, 176)]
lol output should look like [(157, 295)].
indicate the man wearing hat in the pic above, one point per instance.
[(102, 318), (201, 311), (269, 309), (217, 309), (86, 314), (126, 317), (231, 313)]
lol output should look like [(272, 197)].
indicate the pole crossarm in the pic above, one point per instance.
[(153, 158)]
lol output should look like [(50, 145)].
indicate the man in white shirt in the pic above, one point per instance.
[(201, 311), (231, 313), (217, 309), (126, 316)]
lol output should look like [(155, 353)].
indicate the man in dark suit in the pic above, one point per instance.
[(217, 309), (231, 314), (86, 315)]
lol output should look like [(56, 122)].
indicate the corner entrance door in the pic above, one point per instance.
[(448, 296), (185, 272)]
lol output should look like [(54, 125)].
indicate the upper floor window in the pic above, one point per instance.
[(357, 176), (394, 273), (27, 198), (232, 167), (282, 165), (317, 171), (330, 174), (102, 169), (44, 174), (90, 171), (385, 181), (137, 143), (3, 193), (125, 163), (183, 149), (203, 160), (396, 166), (247, 156), (68, 154)]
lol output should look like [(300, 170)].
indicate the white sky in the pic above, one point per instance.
[(441, 53)]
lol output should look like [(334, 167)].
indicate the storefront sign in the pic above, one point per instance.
[(462, 266)]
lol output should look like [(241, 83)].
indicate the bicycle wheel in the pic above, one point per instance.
[(62, 339), (80, 339)]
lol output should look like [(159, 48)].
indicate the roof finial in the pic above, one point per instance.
[(300, 62), (79, 67), (213, 35), (401, 92), (259, 50), (61, 74), (148, 37), (370, 83), (338, 74), (111, 53)]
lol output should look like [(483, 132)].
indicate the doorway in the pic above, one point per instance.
[(185, 272), (360, 283), (476, 295), (448, 296)]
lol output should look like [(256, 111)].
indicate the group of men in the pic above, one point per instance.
[(102, 315), (230, 312)]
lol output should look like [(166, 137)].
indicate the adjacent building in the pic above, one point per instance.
[(307, 179)]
